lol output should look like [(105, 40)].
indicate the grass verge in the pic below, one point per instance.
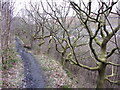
[(12, 75), (56, 76)]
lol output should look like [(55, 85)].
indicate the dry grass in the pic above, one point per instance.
[(54, 73), (13, 76)]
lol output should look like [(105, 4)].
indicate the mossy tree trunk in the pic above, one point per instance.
[(101, 76), (102, 67)]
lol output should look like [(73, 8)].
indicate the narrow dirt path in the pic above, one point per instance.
[(34, 77)]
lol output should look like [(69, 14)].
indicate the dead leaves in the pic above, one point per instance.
[(13, 77), (54, 72)]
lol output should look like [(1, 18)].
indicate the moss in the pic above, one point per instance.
[(65, 86), (68, 72), (10, 63)]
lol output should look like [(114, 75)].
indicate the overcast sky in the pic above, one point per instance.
[(21, 3)]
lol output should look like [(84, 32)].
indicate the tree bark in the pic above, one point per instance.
[(101, 76)]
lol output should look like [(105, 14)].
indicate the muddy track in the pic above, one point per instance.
[(34, 77)]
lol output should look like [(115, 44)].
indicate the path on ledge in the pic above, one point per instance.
[(34, 77)]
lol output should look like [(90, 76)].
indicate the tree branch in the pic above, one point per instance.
[(69, 57), (115, 82), (112, 75), (113, 64), (107, 38), (111, 53)]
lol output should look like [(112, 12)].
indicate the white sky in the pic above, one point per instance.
[(21, 3)]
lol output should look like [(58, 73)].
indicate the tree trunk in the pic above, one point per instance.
[(101, 76), (6, 15), (62, 58)]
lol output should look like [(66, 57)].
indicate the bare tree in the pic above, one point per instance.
[(100, 35), (66, 29), (6, 9), (101, 19), (93, 29)]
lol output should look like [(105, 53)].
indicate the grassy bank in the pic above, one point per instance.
[(12, 75), (55, 75)]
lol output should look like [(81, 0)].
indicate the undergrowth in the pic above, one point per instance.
[(12, 70), (56, 76), (11, 60)]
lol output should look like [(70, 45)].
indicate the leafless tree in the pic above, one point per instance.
[(71, 33), (99, 35), (66, 30), (6, 10), (101, 19)]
